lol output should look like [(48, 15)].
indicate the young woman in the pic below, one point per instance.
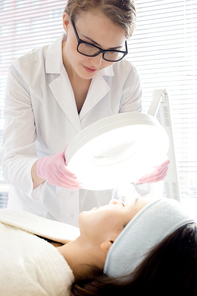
[(137, 248), (54, 92)]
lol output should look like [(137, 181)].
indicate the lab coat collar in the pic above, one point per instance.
[(63, 92), (98, 89), (54, 61)]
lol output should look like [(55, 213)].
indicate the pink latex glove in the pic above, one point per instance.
[(158, 174), (55, 171)]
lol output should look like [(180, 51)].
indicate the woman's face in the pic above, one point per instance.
[(108, 221), (93, 27)]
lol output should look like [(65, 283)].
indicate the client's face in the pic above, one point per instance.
[(108, 221)]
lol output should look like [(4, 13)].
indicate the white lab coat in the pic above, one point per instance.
[(41, 118)]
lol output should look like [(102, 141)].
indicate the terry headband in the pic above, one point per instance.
[(150, 226)]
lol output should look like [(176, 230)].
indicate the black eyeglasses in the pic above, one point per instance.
[(91, 50)]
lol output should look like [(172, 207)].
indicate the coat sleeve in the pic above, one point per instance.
[(19, 150)]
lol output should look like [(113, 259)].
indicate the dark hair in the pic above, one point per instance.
[(169, 269), (121, 12)]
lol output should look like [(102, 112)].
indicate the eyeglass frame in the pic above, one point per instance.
[(100, 49)]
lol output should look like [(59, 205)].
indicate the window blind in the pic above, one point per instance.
[(163, 49)]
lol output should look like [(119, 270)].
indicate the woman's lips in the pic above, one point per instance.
[(94, 209), (89, 70)]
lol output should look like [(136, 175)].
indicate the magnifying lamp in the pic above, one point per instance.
[(117, 150)]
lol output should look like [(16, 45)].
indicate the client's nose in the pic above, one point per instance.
[(115, 202)]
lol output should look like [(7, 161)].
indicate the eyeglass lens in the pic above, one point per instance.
[(91, 50)]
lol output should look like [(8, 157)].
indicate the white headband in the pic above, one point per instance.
[(151, 225)]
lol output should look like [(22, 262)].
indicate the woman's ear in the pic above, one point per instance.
[(66, 21), (105, 246)]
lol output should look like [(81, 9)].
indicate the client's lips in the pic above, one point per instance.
[(90, 70), (94, 209)]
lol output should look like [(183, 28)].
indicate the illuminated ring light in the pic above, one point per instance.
[(117, 150)]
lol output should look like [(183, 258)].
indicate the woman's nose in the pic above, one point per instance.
[(97, 60), (115, 202)]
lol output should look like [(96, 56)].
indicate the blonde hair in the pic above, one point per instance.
[(121, 12)]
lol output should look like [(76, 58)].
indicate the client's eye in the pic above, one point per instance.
[(123, 204)]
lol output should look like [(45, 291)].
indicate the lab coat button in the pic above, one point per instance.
[(72, 216), (72, 193)]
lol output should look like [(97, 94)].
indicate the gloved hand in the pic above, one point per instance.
[(55, 171), (158, 174)]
